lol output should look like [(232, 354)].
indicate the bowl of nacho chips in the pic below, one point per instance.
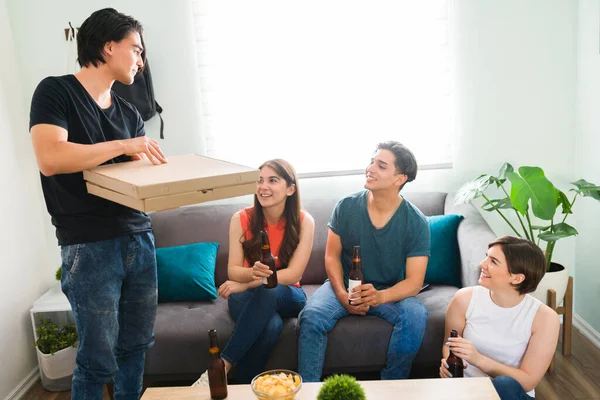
[(276, 384)]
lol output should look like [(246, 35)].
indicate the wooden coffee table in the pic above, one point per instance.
[(417, 389)]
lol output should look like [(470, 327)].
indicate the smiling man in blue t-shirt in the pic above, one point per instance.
[(393, 236)]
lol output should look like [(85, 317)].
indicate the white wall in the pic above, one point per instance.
[(515, 66), (28, 264), (516, 71), (587, 282)]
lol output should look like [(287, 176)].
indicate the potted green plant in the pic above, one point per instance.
[(341, 387), (57, 348), (532, 197)]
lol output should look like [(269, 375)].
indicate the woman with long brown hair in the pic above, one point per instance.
[(257, 310)]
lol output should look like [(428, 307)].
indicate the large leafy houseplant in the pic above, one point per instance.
[(531, 195)]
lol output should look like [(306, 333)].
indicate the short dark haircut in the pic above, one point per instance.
[(523, 257), (405, 163), (101, 27)]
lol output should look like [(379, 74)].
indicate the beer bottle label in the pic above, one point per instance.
[(264, 280), (351, 285)]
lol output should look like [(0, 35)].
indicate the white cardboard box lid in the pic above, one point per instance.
[(182, 174)]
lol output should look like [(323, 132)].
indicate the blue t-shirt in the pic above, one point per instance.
[(384, 251)]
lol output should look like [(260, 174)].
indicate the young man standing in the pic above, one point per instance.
[(107, 250), (393, 236)]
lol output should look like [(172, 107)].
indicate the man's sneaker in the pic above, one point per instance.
[(203, 380)]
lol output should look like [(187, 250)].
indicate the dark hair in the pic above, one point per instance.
[(101, 27), (291, 236), (523, 257), (405, 163)]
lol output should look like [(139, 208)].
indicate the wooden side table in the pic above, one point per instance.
[(567, 312)]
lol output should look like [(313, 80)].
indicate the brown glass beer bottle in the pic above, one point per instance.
[(356, 277), (217, 379), (455, 363), (267, 258)]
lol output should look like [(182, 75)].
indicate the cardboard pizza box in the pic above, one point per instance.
[(184, 180)]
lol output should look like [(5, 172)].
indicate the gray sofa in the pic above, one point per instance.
[(181, 349)]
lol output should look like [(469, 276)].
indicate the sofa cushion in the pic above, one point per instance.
[(473, 235), (186, 273), (443, 267), (181, 337), (194, 224)]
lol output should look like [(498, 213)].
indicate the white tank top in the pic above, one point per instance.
[(499, 333)]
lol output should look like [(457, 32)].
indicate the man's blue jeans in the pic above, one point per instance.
[(112, 288), (258, 317), (509, 389), (322, 312)]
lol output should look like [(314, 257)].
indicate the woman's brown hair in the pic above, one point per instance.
[(523, 257), (291, 213)]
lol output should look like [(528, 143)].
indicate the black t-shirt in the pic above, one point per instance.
[(80, 217)]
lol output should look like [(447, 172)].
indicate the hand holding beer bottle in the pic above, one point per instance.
[(267, 258), (455, 363), (356, 277)]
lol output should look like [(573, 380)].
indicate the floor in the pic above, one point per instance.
[(576, 376)]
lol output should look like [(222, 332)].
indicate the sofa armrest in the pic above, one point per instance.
[(474, 235)]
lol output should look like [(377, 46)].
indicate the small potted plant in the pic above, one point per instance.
[(57, 348), (341, 387), (531, 195)]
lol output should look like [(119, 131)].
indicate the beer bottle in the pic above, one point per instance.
[(267, 258), (455, 363), (217, 379), (356, 277)]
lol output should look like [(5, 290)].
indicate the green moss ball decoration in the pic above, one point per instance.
[(341, 387)]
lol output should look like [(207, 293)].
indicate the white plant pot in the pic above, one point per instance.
[(60, 364), (556, 281)]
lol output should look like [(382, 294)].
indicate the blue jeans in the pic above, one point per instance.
[(509, 389), (258, 317), (112, 288), (409, 317)]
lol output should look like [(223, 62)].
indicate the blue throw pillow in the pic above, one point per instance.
[(443, 267), (187, 273)]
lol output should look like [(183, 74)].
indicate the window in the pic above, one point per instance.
[(320, 83)]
